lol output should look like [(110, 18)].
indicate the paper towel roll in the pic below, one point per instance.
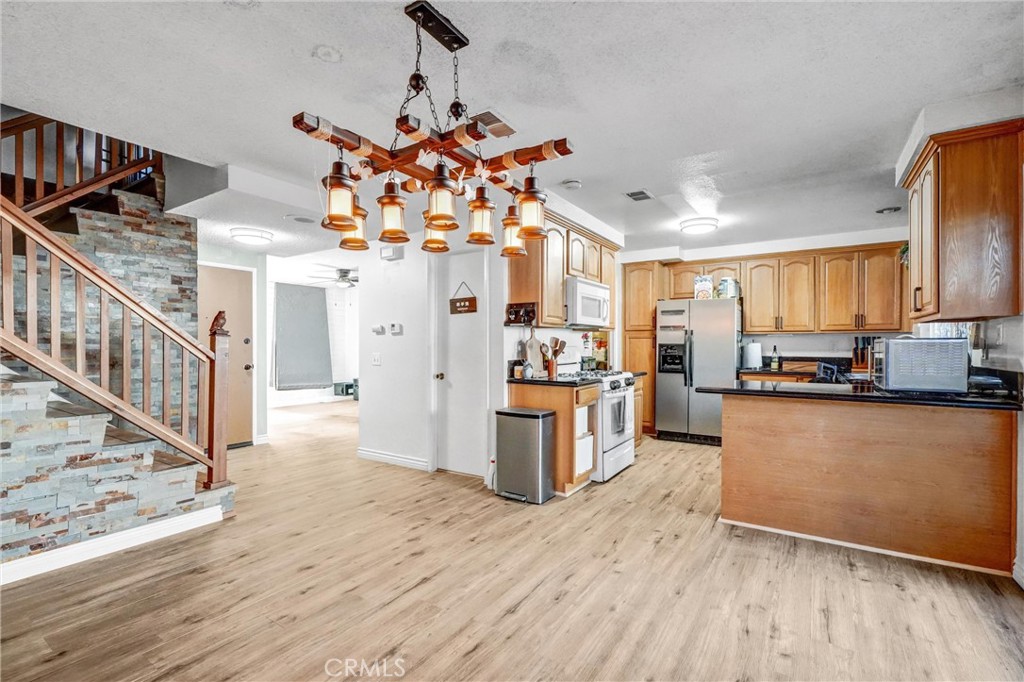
[(752, 357)]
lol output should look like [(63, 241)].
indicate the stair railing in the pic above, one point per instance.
[(200, 429), (112, 161)]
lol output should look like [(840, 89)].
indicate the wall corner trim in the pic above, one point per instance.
[(37, 564), (419, 463), (261, 439)]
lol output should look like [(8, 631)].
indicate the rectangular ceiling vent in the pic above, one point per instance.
[(640, 195), (494, 122)]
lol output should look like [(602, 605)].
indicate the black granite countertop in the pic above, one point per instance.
[(860, 393), (561, 381)]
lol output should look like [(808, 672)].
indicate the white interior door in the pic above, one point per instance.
[(461, 358)]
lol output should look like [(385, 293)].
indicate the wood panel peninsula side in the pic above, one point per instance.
[(832, 463)]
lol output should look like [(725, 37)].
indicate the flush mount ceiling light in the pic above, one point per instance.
[(699, 225), (889, 209), (252, 236), (572, 184), (452, 150)]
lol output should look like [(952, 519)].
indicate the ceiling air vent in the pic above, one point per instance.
[(640, 195), (494, 122)]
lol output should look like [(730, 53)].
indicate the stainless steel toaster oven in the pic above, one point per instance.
[(940, 365)]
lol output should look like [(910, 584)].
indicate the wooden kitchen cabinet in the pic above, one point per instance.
[(860, 290), (640, 292), (583, 256), (564, 400), (609, 266), (965, 198), (638, 355), (797, 300), (680, 279), (838, 298), (779, 295), (681, 275), (761, 296), (540, 277)]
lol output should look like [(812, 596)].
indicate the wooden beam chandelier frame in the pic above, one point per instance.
[(525, 217)]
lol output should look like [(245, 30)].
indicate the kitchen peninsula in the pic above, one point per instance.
[(839, 463)]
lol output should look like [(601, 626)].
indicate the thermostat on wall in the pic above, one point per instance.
[(378, 329), (392, 252)]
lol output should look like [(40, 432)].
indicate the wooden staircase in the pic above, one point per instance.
[(182, 396), (57, 163)]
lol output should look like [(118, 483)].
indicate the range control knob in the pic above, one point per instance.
[(630, 381), (614, 384)]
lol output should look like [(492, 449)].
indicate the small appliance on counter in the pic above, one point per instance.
[(911, 364)]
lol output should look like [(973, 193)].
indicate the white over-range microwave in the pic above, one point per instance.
[(588, 304)]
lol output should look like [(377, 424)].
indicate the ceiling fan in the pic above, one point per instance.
[(344, 278)]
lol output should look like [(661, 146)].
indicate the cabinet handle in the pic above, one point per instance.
[(916, 305)]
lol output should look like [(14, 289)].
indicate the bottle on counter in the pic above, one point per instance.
[(775, 359)]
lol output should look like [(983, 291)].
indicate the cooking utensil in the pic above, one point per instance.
[(561, 348)]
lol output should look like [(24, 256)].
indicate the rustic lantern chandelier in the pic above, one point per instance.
[(443, 184)]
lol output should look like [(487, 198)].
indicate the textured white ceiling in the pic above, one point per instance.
[(783, 118)]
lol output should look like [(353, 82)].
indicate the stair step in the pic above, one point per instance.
[(10, 383), (164, 461), (116, 436), (59, 409)]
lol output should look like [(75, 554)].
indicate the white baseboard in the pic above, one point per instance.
[(36, 564), (392, 458), (1018, 573), (865, 548), (261, 439)]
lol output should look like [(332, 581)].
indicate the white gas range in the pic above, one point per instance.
[(616, 448)]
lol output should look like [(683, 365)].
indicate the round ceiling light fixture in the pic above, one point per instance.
[(699, 225), (297, 218), (889, 209), (572, 184), (252, 236)]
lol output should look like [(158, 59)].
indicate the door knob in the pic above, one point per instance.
[(439, 376), (247, 366)]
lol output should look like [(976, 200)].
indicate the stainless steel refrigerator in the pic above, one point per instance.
[(698, 345)]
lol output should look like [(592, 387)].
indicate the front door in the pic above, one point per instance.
[(231, 291), (461, 364)]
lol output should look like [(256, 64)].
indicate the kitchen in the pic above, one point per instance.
[(873, 336)]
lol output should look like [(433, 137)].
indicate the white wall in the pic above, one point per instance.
[(343, 326), (395, 422)]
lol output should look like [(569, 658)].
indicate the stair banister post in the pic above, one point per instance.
[(217, 445)]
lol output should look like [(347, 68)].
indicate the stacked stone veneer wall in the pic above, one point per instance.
[(62, 484), (151, 253)]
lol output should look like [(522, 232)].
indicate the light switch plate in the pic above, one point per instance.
[(396, 329), (376, 360)]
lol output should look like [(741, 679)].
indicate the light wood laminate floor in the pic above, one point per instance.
[(334, 557)]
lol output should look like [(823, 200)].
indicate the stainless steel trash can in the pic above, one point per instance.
[(526, 442)]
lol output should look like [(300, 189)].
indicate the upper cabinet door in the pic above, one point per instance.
[(592, 263), (639, 295), (797, 299), (720, 270), (552, 311), (576, 254), (838, 292), (608, 268), (680, 279), (926, 296), (881, 279), (761, 296)]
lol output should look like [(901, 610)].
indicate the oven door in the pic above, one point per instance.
[(617, 418)]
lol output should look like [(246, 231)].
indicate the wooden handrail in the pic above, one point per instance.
[(209, 446), (83, 265), (109, 164)]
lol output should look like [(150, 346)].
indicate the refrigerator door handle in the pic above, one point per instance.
[(689, 361)]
